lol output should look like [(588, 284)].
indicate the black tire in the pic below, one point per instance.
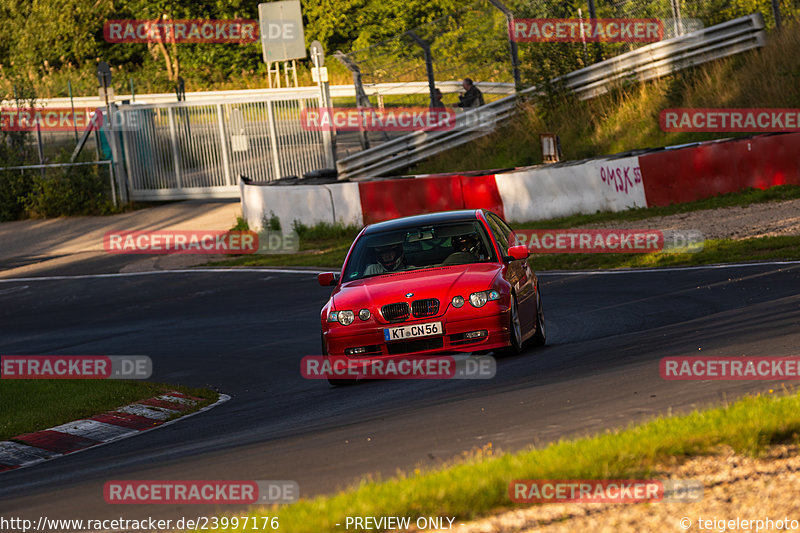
[(332, 381), (540, 337), (514, 329)]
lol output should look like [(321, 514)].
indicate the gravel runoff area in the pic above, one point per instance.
[(734, 486), (768, 219)]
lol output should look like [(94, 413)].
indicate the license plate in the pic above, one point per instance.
[(409, 332)]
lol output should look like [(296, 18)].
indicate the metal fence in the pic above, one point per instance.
[(474, 42), (186, 149), (645, 63)]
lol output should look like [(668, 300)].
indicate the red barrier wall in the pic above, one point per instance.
[(387, 199), (688, 174)]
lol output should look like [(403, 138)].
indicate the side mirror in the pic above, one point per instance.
[(328, 279), (518, 252)]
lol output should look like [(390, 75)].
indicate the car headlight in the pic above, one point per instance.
[(344, 318), (458, 301), (364, 314), (479, 299)]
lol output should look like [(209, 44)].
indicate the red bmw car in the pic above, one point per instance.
[(430, 285)]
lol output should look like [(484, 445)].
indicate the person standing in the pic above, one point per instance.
[(473, 97), (437, 100)]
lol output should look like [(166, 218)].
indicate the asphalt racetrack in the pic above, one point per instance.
[(244, 333)]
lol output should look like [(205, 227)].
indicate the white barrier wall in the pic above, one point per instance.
[(556, 191), (309, 204), (613, 184)]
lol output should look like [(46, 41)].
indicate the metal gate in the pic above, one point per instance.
[(198, 150)]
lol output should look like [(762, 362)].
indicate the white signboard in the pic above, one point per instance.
[(281, 28)]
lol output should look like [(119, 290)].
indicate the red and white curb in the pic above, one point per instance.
[(134, 419)]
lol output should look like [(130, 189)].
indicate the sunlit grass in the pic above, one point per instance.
[(478, 484)]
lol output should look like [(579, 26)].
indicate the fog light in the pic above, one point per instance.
[(475, 334), (355, 351)]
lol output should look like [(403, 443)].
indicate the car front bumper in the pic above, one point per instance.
[(341, 340)]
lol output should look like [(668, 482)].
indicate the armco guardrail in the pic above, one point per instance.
[(337, 91), (645, 63), (664, 57)]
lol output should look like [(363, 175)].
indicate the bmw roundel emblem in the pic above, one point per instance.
[(409, 295)]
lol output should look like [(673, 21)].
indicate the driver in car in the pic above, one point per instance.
[(391, 258), (468, 244)]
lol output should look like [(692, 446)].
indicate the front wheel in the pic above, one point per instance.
[(514, 329)]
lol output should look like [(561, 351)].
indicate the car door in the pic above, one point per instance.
[(520, 273)]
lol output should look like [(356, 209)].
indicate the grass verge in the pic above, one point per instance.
[(479, 485), (715, 251), (326, 245), (735, 199), (33, 405)]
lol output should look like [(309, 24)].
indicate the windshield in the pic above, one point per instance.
[(419, 247)]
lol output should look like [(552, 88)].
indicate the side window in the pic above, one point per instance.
[(511, 237), (499, 234)]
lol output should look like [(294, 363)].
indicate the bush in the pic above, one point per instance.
[(325, 231), (14, 188), (82, 190), (66, 191)]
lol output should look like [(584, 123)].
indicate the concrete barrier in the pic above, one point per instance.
[(567, 189), (308, 204), (696, 172), (604, 184)]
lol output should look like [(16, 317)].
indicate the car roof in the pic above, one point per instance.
[(420, 220)]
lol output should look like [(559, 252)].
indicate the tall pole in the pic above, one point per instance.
[(776, 11), (426, 48), (72, 105), (676, 17), (329, 135), (598, 52), (512, 44)]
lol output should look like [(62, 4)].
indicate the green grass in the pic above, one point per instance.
[(735, 199), (320, 245), (326, 245), (478, 485), (714, 252), (32, 405)]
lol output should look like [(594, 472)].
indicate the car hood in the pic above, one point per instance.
[(441, 282)]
